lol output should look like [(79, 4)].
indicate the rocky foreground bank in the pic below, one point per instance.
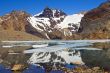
[(58, 69)]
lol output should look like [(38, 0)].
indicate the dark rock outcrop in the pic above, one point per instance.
[(96, 23), (48, 12)]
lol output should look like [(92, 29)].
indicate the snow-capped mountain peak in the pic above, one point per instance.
[(53, 20)]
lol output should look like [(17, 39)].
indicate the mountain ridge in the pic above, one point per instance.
[(55, 24)]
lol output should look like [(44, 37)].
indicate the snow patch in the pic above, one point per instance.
[(74, 19)]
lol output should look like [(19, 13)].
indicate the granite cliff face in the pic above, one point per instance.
[(96, 23)]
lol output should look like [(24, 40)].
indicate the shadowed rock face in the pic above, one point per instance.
[(97, 21)]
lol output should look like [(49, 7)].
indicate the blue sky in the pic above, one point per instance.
[(36, 6)]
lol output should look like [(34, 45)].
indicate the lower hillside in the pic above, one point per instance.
[(16, 35)]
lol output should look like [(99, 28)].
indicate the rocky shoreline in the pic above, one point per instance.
[(57, 69)]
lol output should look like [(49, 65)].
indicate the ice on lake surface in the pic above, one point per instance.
[(54, 51), (55, 45), (54, 42)]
